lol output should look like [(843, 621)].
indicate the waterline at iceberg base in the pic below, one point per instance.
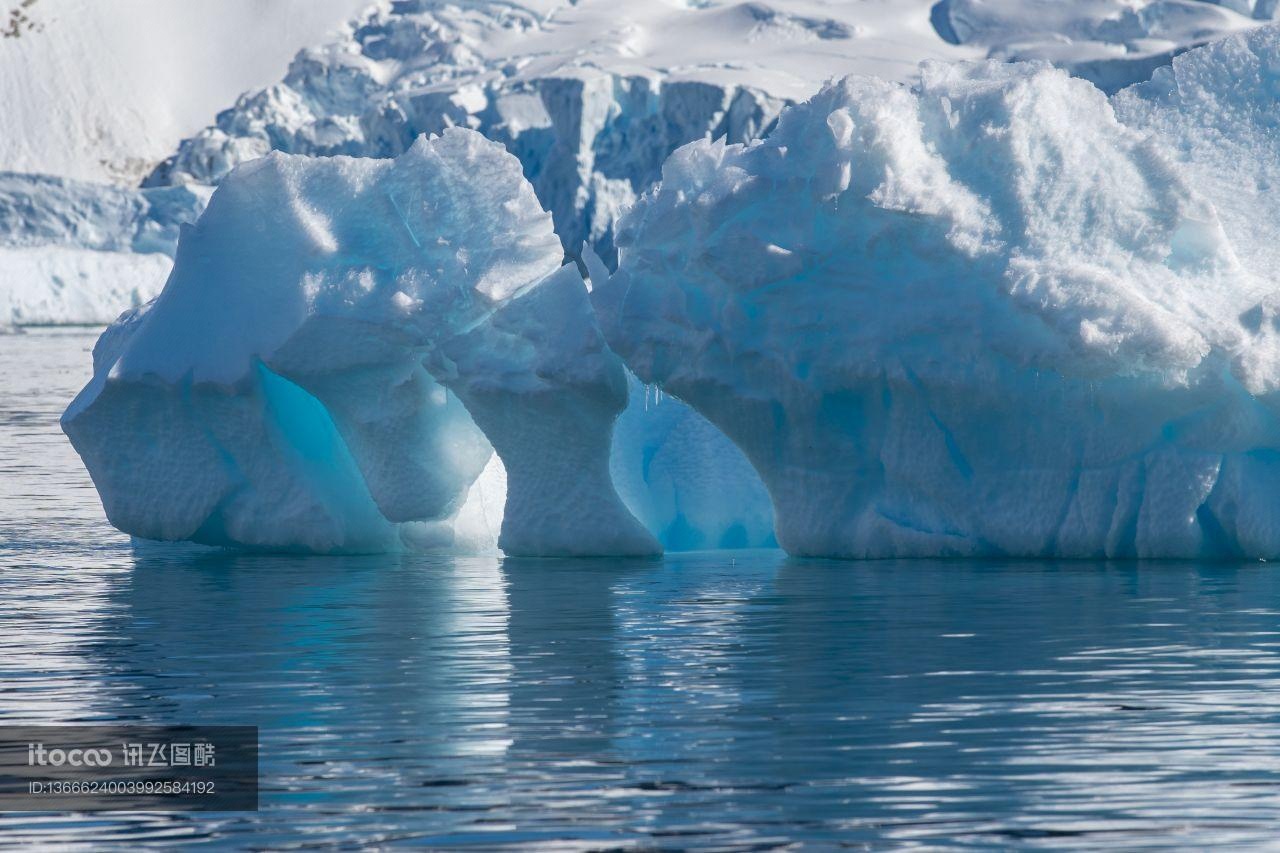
[(977, 316)]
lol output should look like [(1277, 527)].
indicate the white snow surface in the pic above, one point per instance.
[(101, 91), (979, 316), (341, 346)]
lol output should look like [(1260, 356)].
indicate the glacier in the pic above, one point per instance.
[(1111, 43), (341, 348), (83, 252), (590, 95), (590, 138), (45, 210), (977, 316)]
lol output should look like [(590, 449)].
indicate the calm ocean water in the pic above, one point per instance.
[(724, 701)]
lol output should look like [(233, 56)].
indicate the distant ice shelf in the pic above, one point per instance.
[(80, 252)]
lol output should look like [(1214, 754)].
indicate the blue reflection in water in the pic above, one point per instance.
[(733, 700)]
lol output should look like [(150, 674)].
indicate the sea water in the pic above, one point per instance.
[(733, 700)]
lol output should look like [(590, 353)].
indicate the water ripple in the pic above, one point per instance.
[(719, 701)]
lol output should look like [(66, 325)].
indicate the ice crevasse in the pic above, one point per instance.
[(342, 346), (981, 315)]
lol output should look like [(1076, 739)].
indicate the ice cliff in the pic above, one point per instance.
[(980, 316), (590, 138), (341, 347), (592, 97), (78, 252), (42, 210)]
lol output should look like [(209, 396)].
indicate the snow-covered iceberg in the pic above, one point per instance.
[(991, 313), (341, 347), (980, 316)]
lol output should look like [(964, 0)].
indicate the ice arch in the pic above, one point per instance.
[(340, 349)]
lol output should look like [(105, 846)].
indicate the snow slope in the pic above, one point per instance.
[(101, 91)]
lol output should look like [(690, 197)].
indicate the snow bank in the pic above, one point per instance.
[(977, 317), (341, 346)]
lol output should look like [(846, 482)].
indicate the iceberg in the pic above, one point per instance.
[(977, 316), (991, 313), (341, 348)]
